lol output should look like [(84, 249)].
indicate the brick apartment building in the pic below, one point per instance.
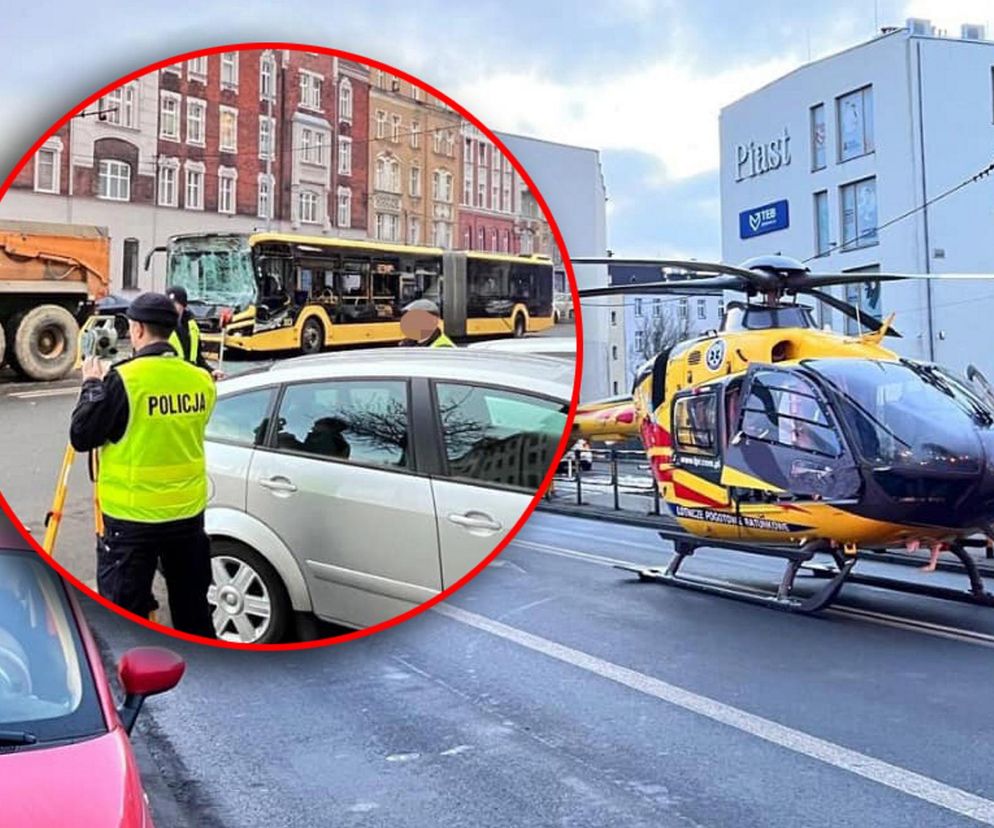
[(277, 139), (414, 164)]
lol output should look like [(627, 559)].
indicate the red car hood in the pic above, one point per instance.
[(91, 784)]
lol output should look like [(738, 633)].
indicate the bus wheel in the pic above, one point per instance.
[(312, 337), (519, 326)]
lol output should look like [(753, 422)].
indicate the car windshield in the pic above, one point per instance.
[(46, 689), (215, 270), (907, 414)]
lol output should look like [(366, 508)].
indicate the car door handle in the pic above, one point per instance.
[(476, 520), (278, 484)]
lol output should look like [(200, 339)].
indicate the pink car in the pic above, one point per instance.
[(65, 755)]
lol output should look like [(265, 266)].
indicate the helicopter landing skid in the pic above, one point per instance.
[(783, 599)]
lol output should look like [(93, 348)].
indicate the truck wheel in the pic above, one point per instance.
[(45, 342), (312, 337)]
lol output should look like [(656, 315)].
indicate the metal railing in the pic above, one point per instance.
[(599, 471)]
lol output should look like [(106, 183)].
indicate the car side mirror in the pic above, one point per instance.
[(144, 672)]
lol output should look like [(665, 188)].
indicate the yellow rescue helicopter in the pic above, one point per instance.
[(774, 437)]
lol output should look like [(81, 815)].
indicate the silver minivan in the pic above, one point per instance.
[(355, 486)]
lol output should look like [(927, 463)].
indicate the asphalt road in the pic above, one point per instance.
[(557, 690)]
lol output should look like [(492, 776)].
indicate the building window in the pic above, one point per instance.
[(47, 163), (169, 116), (614, 318), (721, 309), (194, 196), (312, 146), (264, 201), (386, 226), (414, 230), (415, 181), (129, 261), (114, 181), (506, 205), (345, 101), (229, 70), (818, 137), (228, 139), (657, 308), (480, 237), (267, 136), (854, 114), (614, 352), (308, 207), (684, 309), (493, 240), (702, 309), (267, 78), (310, 90), (865, 296), (505, 242), (196, 117), (387, 174), (441, 186), (639, 343), (381, 124), (442, 235), (415, 134), (859, 214), (120, 107), (416, 92), (395, 129), (481, 188), (196, 69), (344, 207), (226, 190), (638, 305), (344, 155), (823, 233), (168, 190)]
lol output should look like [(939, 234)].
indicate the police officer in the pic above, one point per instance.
[(185, 339), (147, 416), (422, 325)]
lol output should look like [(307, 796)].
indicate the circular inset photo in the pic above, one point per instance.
[(289, 345)]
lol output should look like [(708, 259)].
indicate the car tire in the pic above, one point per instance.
[(258, 585), (519, 326), (555, 317), (312, 337)]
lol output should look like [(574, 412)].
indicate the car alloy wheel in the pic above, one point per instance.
[(241, 604)]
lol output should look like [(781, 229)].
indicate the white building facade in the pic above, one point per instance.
[(572, 182), (820, 164)]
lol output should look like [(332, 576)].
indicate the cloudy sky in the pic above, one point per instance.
[(641, 80)]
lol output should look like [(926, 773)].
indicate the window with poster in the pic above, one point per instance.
[(854, 115)]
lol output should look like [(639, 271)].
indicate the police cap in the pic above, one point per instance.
[(178, 294), (154, 308)]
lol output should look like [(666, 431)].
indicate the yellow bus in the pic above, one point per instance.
[(282, 292)]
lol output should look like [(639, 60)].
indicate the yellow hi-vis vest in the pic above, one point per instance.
[(442, 342), (177, 344), (157, 472)]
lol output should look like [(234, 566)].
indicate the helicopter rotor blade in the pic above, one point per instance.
[(685, 287), (803, 281), (689, 266), (867, 320)]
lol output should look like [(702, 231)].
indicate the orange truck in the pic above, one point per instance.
[(50, 277)]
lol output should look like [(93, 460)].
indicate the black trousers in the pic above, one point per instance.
[(127, 558)]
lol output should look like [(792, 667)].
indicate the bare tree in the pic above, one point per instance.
[(662, 327)]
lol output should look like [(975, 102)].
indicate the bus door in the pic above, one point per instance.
[(454, 266)]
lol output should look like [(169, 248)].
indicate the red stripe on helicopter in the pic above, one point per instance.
[(686, 493)]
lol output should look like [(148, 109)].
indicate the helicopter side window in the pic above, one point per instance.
[(695, 423), (783, 409)]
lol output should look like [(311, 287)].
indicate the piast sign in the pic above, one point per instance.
[(754, 159)]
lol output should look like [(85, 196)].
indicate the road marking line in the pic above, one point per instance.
[(45, 392), (892, 776), (931, 628)]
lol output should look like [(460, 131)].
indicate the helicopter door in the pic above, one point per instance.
[(787, 441)]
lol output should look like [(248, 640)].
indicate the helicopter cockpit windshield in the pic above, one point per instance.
[(746, 317), (907, 415)]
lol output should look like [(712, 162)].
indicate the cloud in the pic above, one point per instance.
[(664, 109)]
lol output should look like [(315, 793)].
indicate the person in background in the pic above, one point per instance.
[(422, 325), (186, 338)]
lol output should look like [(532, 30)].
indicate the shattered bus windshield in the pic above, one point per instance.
[(214, 270)]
